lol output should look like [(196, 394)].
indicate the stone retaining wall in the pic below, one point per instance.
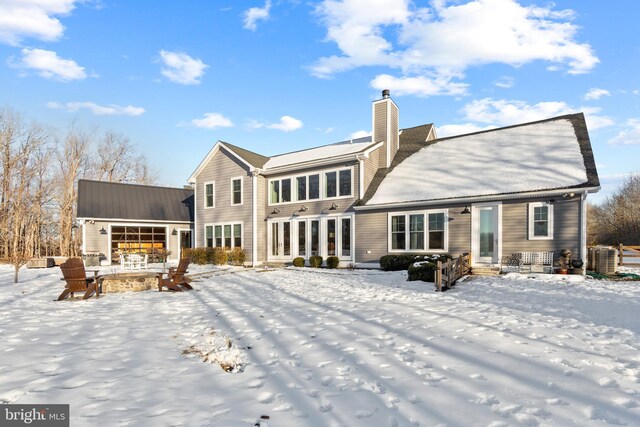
[(129, 282)]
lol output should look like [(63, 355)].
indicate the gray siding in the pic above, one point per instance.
[(96, 242), (222, 167), (371, 165), (566, 228), (372, 230), (393, 139), (380, 130)]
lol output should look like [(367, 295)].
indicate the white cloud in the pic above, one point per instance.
[(181, 68), (452, 130), (255, 14), (504, 112), (20, 19), (212, 121), (99, 110), (629, 136), (505, 82), (286, 124), (596, 93), (49, 65), (419, 86), (447, 38), (360, 134)]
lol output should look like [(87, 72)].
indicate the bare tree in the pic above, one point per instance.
[(617, 219), (73, 163), (119, 161), (25, 184)]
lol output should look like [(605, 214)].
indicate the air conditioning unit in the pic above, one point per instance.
[(603, 260)]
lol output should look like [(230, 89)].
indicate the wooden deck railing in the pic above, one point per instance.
[(448, 272), (633, 252)]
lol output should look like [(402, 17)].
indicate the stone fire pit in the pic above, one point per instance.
[(129, 282)]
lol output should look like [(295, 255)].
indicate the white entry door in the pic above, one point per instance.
[(280, 240), (486, 241)]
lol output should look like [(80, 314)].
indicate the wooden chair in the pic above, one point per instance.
[(77, 281), (176, 279)]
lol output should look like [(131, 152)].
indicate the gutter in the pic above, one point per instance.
[(478, 199)]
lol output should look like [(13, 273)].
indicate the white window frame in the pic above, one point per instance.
[(549, 207), (322, 182), (407, 239), (241, 179), (222, 224), (204, 191), (213, 235)]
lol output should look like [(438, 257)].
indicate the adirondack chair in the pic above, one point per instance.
[(176, 279), (77, 281)]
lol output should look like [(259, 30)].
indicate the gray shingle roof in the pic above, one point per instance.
[(110, 200), (411, 144), (255, 159)]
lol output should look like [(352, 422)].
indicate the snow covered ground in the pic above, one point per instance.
[(327, 348)]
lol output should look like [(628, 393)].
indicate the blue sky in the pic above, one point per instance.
[(276, 76)]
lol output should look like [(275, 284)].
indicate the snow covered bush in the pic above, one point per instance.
[(403, 261), (315, 261), (333, 262), (424, 267), (298, 262)]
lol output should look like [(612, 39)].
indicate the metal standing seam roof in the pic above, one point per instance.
[(111, 200)]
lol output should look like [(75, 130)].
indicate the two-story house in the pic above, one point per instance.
[(491, 193)]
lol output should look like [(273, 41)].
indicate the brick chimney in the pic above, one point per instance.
[(385, 116)]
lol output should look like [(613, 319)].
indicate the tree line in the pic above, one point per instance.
[(617, 218), (39, 172)]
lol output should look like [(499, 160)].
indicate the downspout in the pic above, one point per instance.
[(360, 176), (583, 230), (254, 217), (195, 214), (84, 236)]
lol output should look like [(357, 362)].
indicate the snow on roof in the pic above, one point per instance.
[(536, 156), (319, 153)]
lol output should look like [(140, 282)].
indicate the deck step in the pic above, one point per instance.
[(485, 271)]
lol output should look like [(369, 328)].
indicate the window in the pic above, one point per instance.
[(209, 194), (398, 232), (331, 237), (218, 236), (135, 239), (236, 191), (301, 184), (314, 187), (280, 191), (237, 235), (224, 235), (540, 221), (345, 182), (274, 194), (209, 236), (315, 237), (418, 231), (326, 185), (302, 238), (286, 190), (436, 231), (346, 237)]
